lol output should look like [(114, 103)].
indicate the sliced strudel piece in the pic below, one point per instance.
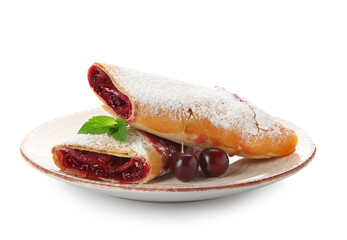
[(138, 160), (160, 105)]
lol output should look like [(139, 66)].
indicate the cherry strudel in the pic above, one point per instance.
[(138, 160), (160, 105)]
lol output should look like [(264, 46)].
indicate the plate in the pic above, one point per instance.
[(242, 175)]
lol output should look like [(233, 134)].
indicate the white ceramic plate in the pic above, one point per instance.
[(242, 175)]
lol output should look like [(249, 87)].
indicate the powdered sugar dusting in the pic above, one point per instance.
[(174, 97), (136, 142)]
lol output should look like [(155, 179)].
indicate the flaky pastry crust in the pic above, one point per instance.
[(96, 143), (269, 136)]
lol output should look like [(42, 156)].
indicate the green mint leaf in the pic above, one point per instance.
[(117, 128), (97, 125), (121, 122), (87, 130), (120, 134), (111, 130)]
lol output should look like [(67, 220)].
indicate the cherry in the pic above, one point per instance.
[(184, 166), (213, 162)]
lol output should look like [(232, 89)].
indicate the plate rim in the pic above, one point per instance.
[(139, 187)]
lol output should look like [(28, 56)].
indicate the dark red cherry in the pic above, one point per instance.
[(213, 162), (184, 166)]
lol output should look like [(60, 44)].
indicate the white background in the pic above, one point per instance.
[(289, 57)]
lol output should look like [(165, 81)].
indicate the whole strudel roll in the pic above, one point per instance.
[(160, 105), (138, 160)]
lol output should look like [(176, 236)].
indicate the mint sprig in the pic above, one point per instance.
[(117, 128)]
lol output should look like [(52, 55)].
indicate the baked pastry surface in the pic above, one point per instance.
[(160, 106), (138, 160)]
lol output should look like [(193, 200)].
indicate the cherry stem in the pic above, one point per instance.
[(184, 128), (191, 113)]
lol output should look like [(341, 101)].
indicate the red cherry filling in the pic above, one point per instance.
[(101, 83), (97, 165)]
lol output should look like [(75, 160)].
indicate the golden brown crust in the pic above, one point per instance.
[(231, 142), (262, 145)]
